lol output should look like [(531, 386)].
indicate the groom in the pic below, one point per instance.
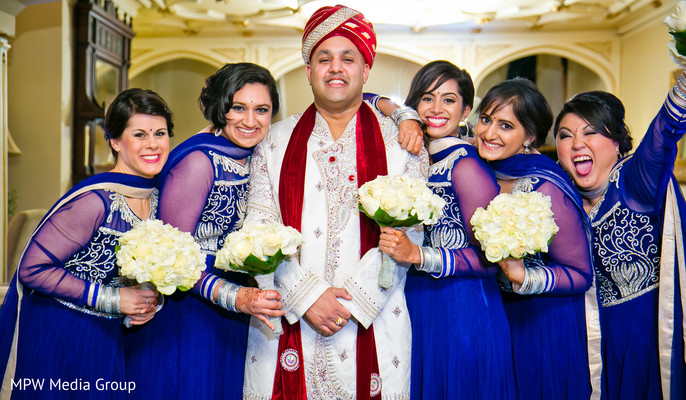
[(345, 337)]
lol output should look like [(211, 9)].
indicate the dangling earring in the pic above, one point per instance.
[(526, 148)]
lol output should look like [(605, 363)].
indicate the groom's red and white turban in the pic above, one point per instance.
[(328, 22)]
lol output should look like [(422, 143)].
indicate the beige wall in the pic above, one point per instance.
[(40, 86), (40, 103), (644, 74), (179, 83), (390, 76)]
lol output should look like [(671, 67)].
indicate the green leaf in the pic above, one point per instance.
[(383, 219), (256, 266), (680, 41)]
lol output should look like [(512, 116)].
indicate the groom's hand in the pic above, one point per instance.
[(327, 316)]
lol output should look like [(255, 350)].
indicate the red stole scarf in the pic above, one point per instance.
[(289, 382)]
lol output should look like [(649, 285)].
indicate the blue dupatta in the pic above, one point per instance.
[(204, 141)]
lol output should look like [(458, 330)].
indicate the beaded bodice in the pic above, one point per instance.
[(226, 203), (626, 247), (96, 261), (449, 231)]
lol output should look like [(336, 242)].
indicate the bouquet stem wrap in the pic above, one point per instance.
[(266, 282), (386, 273)]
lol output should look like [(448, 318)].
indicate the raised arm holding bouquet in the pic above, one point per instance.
[(640, 282), (398, 201), (258, 249)]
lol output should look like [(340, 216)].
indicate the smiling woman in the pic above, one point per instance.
[(514, 119), (633, 203), (62, 316), (143, 147), (202, 191)]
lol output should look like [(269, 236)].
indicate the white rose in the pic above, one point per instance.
[(370, 204), (291, 240), (271, 243), (390, 203), (240, 250), (495, 253), (677, 21)]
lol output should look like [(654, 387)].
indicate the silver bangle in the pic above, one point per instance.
[(534, 281), (432, 261), (227, 294), (403, 113), (108, 300), (679, 89)]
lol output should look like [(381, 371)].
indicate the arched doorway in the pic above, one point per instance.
[(558, 78)]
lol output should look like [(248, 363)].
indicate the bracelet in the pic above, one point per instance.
[(227, 294), (108, 300), (678, 94), (536, 280), (431, 261), (403, 113), (375, 100)]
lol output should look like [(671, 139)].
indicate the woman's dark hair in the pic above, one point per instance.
[(216, 98), (604, 112), (528, 105), (440, 72), (134, 101)]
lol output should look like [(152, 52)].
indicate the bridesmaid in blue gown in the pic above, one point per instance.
[(461, 347), (543, 294), (195, 347), (634, 203), (62, 317)]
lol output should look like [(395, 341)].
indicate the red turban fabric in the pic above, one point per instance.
[(328, 22)]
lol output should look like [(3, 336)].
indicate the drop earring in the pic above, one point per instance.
[(526, 148)]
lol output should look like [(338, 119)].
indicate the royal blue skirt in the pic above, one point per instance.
[(63, 353), (192, 349), (461, 347), (549, 346)]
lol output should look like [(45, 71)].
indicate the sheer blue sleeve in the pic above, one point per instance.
[(183, 198), (63, 234), (373, 99), (646, 175), (474, 186), (569, 253)]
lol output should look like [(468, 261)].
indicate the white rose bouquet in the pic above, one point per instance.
[(677, 28), (160, 254), (514, 225), (258, 249), (398, 201)]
